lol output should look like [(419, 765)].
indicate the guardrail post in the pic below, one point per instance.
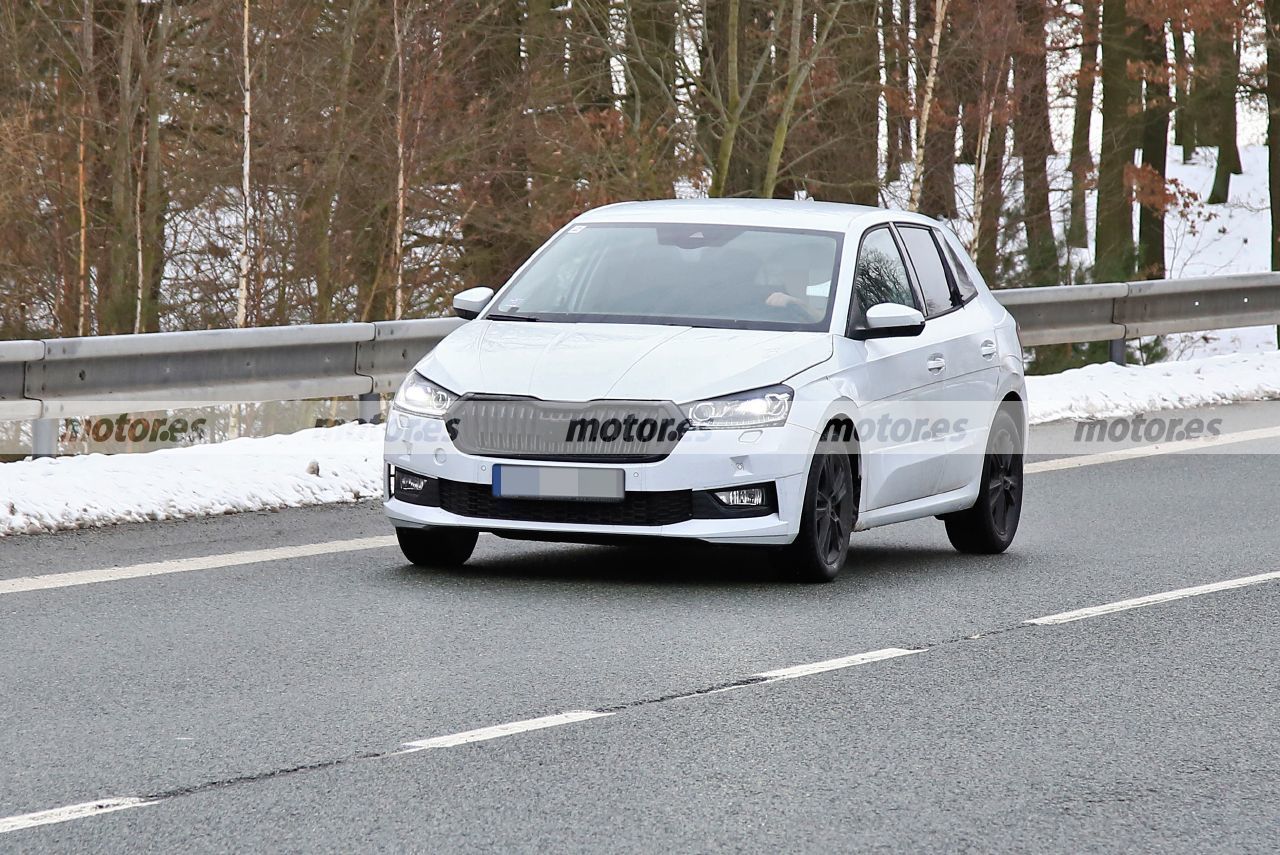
[(44, 438), (1117, 351), (370, 408)]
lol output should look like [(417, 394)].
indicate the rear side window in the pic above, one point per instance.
[(964, 283), (931, 272), (881, 274)]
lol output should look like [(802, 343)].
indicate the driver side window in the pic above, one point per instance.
[(881, 275)]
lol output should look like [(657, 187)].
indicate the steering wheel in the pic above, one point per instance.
[(795, 312)]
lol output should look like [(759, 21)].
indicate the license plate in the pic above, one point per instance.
[(555, 482)]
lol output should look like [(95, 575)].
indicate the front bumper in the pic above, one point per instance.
[(701, 461)]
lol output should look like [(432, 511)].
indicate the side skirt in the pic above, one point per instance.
[(943, 503)]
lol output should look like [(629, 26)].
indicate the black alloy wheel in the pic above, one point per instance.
[(830, 509), (989, 526)]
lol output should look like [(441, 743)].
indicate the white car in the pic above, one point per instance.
[(759, 372)]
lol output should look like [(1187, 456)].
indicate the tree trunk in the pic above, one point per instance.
[(986, 237), (1081, 153), (153, 202), (1114, 251), (966, 70), (590, 76), (89, 87), (1272, 9), (1155, 148), (1031, 127), (729, 34), (499, 238), (970, 129), (741, 48), (116, 282), (397, 235), (246, 202), (897, 121), (318, 205), (793, 81), (141, 295), (848, 171), (938, 179), (933, 155), (1224, 94), (651, 63), (1181, 81)]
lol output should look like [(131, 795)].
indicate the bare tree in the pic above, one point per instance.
[(397, 239), (1081, 155), (1114, 246), (1035, 141), (246, 200), (926, 102)]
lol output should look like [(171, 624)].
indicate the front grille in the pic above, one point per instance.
[(526, 428), (648, 508)]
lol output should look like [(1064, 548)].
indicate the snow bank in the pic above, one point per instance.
[(1109, 391), (342, 464), (311, 467)]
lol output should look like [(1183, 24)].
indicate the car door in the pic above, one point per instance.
[(966, 384), (891, 379)]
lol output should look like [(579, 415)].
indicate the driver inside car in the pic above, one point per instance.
[(794, 292)]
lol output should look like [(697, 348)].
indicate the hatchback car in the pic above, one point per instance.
[(759, 372)]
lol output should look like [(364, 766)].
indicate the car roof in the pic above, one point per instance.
[(778, 213)]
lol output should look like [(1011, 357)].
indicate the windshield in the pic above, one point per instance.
[(680, 273)]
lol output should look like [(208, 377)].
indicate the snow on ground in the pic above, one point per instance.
[(1112, 391), (1214, 240), (343, 464), (311, 467)]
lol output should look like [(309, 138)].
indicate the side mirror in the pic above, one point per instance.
[(471, 302), (891, 320)]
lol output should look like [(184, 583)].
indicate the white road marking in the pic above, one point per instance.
[(500, 730), (1153, 599), (835, 664), (1122, 454), (212, 562), (70, 812), (186, 565)]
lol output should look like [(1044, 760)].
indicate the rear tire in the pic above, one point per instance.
[(437, 547), (830, 507), (989, 526)]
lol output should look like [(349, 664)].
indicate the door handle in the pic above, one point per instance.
[(935, 364), (988, 349)]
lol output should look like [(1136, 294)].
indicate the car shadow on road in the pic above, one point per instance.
[(661, 564)]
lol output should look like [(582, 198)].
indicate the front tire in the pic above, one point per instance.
[(437, 547), (830, 506), (988, 527)]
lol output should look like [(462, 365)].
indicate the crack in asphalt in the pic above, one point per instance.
[(703, 691)]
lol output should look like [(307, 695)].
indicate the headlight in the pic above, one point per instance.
[(419, 395), (757, 408)]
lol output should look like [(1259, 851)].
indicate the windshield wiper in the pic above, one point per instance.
[(529, 318)]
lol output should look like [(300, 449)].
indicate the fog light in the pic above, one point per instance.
[(749, 497), (409, 482)]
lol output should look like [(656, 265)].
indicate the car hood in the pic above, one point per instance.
[(582, 362)]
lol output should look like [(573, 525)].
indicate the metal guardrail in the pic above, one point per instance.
[(15, 358), (1065, 313), (1062, 314), (101, 375), (110, 374)]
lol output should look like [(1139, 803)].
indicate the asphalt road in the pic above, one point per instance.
[(263, 706)]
